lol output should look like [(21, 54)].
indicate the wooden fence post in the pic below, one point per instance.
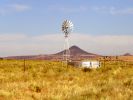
[(24, 66)]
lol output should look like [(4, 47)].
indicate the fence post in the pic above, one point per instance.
[(24, 66)]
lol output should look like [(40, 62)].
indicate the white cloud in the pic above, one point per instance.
[(20, 44), (20, 7), (12, 37), (99, 9), (48, 37), (113, 10), (13, 8), (121, 11), (68, 9), (106, 44)]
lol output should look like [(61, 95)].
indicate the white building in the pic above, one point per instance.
[(90, 64)]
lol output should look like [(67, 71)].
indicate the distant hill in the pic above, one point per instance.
[(127, 54), (1, 58), (75, 51), (20, 57)]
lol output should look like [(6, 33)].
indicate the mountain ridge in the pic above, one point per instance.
[(75, 50), (76, 54), (127, 54)]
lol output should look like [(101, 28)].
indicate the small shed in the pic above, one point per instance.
[(90, 64)]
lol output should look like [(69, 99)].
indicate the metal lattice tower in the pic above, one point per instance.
[(67, 27)]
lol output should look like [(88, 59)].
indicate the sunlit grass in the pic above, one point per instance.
[(50, 80)]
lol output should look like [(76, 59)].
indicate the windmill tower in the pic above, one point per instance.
[(67, 28)]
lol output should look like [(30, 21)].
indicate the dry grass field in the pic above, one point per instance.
[(45, 80), (126, 58)]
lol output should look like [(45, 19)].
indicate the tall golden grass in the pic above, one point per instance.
[(45, 80)]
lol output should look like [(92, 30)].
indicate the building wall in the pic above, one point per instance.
[(91, 64)]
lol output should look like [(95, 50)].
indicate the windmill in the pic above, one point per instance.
[(67, 28)]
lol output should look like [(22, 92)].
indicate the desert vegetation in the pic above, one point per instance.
[(46, 80)]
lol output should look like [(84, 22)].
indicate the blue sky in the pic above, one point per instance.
[(100, 26)]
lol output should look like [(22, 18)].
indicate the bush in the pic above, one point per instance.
[(86, 69)]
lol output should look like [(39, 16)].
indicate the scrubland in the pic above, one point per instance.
[(47, 80)]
